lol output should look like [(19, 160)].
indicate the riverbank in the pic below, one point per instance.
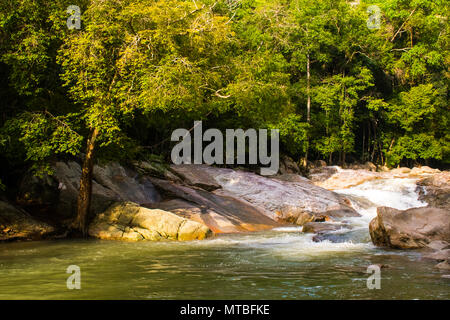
[(295, 256), (153, 200)]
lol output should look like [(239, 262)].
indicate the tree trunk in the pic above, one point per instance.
[(308, 88), (308, 104), (85, 192)]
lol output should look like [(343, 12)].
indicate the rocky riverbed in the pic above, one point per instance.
[(406, 209)]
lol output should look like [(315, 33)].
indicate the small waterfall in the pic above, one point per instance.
[(398, 193)]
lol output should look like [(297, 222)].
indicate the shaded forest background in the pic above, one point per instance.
[(136, 70)]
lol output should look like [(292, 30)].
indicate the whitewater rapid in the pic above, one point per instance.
[(291, 243)]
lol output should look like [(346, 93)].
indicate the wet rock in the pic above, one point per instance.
[(358, 236), (360, 201), (195, 175), (409, 229), (441, 255), (279, 200), (16, 224), (343, 178), (443, 266), (129, 221), (320, 227), (418, 171), (221, 213), (341, 213), (435, 190), (400, 171)]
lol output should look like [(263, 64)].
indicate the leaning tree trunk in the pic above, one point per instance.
[(85, 192)]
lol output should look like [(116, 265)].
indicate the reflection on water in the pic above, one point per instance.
[(278, 264)]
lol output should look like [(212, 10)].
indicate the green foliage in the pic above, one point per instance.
[(139, 69), (293, 134)]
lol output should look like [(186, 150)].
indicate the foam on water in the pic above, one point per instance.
[(290, 242), (395, 193)]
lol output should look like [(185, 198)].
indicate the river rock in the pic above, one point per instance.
[(221, 213), (400, 171), (291, 177), (441, 255), (285, 201), (157, 169), (445, 266), (418, 171), (129, 221), (195, 175), (356, 236), (438, 245), (435, 190), (322, 173), (287, 166), (342, 178), (409, 229), (58, 193), (16, 224), (369, 166), (317, 164), (320, 227)]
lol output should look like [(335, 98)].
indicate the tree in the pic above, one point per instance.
[(136, 55)]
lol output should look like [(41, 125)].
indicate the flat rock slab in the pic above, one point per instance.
[(290, 201), (195, 175), (220, 213)]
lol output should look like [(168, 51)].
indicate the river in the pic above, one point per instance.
[(278, 264)]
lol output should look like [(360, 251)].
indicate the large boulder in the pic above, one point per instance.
[(290, 201), (409, 229), (111, 183), (435, 190), (129, 221), (222, 214), (18, 225)]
